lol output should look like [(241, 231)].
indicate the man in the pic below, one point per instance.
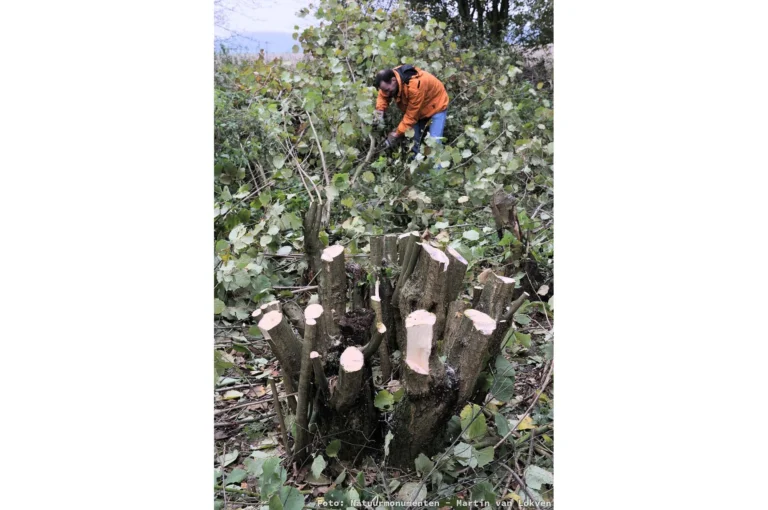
[(419, 95)]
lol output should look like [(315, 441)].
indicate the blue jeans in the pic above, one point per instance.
[(435, 129)]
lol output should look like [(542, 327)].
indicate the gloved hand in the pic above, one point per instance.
[(378, 117), (391, 140)]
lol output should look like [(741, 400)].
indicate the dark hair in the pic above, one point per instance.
[(385, 75)]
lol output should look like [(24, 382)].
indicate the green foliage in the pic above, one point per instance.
[(473, 420), (332, 450), (384, 400), (423, 464), (236, 476), (318, 465), (498, 136), (535, 477)]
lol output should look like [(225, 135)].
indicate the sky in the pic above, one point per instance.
[(268, 21)]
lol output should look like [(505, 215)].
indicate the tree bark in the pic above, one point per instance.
[(312, 246), (457, 269), (333, 296), (284, 343), (430, 395), (300, 447), (467, 349), (425, 289)]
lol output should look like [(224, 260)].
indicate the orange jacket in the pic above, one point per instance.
[(423, 96)]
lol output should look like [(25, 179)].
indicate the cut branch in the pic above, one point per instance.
[(350, 379), (320, 380), (467, 348), (333, 295), (279, 411), (419, 326), (283, 341), (302, 410), (457, 269), (495, 295), (425, 288), (372, 346)]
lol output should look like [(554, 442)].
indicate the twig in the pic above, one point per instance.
[(280, 418), (236, 386), (519, 482), (224, 492), (530, 407), (236, 491), (365, 162), (530, 451), (320, 148), (244, 421)]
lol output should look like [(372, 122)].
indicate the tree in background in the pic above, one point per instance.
[(496, 22)]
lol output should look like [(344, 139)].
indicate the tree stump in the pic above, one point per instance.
[(414, 309)]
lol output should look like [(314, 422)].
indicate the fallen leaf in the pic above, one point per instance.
[(226, 460), (232, 394), (543, 290), (525, 424)]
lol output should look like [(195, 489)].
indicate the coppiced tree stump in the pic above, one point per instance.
[(417, 301)]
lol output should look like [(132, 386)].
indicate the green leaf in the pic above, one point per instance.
[(506, 240), (522, 319), (229, 458), (318, 465), (472, 235), (484, 456), (502, 425), (441, 224), (483, 491), (465, 455), (535, 477), (275, 503), (503, 367), (525, 340), (278, 161), (218, 306), (255, 466), (472, 416), (503, 388), (384, 400), (347, 128), (295, 48), (423, 464), (398, 395), (369, 177), (332, 450), (236, 476), (340, 181), (221, 245)]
